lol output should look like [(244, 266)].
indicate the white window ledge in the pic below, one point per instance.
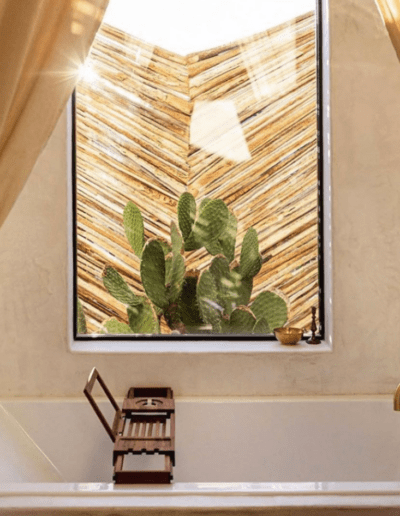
[(195, 346)]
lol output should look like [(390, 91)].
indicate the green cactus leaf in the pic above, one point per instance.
[(168, 269), (143, 319), (204, 203), (211, 222), (191, 243), (176, 239), (242, 320), (165, 246), (250, 258), (115, 327), (213, 247), (225, 283), (228, 239), (207, 298), (134, 228), (271, 307), (152, 272), (176, 277), (186, 213), (261, 327), (81, 320), (188, 308), (244, 287), (118, 288)]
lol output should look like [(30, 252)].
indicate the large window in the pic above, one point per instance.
[(197, 173)]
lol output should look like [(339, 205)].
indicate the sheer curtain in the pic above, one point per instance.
[(43, 45), (390, 10)]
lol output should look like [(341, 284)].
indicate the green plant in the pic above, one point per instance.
[(80, 318), (217, 300)]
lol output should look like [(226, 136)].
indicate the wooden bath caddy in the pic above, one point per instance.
[(139, 427)]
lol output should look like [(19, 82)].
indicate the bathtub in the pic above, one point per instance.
[(279, 456)]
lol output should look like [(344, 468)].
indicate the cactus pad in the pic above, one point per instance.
[(261, 327), (244, 286), (188, 308), (176, 239), (242, 320), (186, 213), (227, 283), (228, 239), (271, 307), (152, 272), (118, 288), (176, 276), (211, 222), (207, 298), (81, 320), (134, 228), (143, 319), (115, 327), (250, 258)]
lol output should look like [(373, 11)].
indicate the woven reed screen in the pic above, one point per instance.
[(150, 126)]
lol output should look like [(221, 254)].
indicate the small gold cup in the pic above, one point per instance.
[(288, 336)]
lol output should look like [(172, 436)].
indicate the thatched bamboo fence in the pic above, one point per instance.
[(237, 123)]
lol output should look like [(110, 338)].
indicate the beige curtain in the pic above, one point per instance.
[(43, 43), (390, 10)]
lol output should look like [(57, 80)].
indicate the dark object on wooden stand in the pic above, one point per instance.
[(313, 339), (139, 427)]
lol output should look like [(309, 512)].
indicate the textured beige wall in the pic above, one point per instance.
[(365, 77)]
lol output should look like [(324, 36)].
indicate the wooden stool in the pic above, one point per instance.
[(139, 427)]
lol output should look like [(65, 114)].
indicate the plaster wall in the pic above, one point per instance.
[(365, 104)]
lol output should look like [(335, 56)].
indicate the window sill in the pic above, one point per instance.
[(197, 347)]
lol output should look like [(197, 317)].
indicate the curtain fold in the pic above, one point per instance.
[(43, 45), (390, 11)]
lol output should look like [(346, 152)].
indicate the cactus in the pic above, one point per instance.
[(152, 272), (215, 301), (81, 319), (250, 258), (242, 320), (186, 213), (272, 308), (118, 288), (143, 319), (117, 328), (134, 228), (228, 239), (207, 298)]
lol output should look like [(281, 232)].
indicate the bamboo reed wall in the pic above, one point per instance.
[(237, 123)]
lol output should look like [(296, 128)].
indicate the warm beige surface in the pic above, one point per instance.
[(43, 45), (366, 243)]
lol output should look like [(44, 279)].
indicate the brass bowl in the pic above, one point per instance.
[(288, 336)]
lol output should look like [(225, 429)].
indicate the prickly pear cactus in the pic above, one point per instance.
[(118, 288), (270, 307), (186, 213), (152, 272), (242, 321), (143, 319), (207, 298), (215, 301), (134, 228), (227, 240), (212, 221), (81, 319), (250, 258), (115, 327)]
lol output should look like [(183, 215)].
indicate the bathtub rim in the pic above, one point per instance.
[(200, 495)]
